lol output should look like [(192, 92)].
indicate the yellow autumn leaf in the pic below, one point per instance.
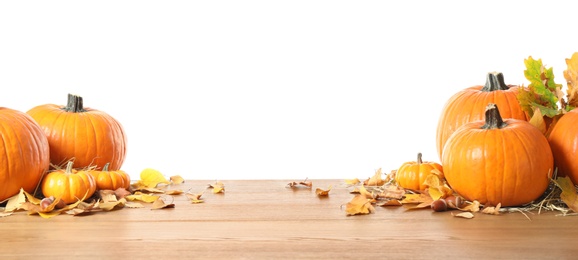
[(359, 205), (15, 202), (571, 76), (218, 187), (568, 195), (436, 187), (177, 179), (375, 180), (148, 198), (160, 204), (352, 181), (151, 178), (322, 192), (537, 120)]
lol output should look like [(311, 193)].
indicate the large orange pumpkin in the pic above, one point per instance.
[(498, 161), (68, 185), (563, 140), (469, 105), (24, 153), (88, 136)]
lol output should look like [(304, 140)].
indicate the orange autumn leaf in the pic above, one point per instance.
[(151, 178), (359, 205), (568, 195), (375, 180), (321, 192), (436, 187)]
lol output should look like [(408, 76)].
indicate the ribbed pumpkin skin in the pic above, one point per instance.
[(510, 165), (24, 153), (68, 184), (412, 175), (563, 140), (110, 180), (468, 105), (91, 137)]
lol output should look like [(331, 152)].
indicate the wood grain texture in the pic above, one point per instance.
[(265, 219)]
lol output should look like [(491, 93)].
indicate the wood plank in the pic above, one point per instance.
[(267, 220)]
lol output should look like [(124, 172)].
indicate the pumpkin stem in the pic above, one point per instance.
[(69, 167), (75, 104), (495, 81), (105, 168), (419, 160), (493, 118)]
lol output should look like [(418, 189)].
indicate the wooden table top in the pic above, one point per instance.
[(266, 219)]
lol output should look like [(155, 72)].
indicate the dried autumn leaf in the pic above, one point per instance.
[(151, 178), (364, 192), (571, 76), (133, 205), (160, 204), (173, 192), (177, 179), (474, 206), (419, 201), (375, 180), (568, 195), (15, 202), (392, 192), (352, 181), (107, 196), (436, 187), (537, 120), (467, 215), (218, 187), (195, 198), (389, 202), (321, 192), (492, 210), (144, 197), (111, 205), (359, 205), (304, 183)]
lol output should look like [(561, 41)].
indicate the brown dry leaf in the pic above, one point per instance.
[(15, 202), (375, 180), (31, 198), (389, 202), (568, 195), (467, 215), (359, 205), (474, 206), (571, 76), (121, 193), (140, 187), (392, 192), (364, 192), (173, 192), (177, 179), (355, 190), (218, 187), (107, 196), (417, 201), (537, 120), (160, 204), (352, 181), (144, 197), (195, 198), (304, 183), (321, 192), (110, 205), (133, 205), (492, 210), (151, 178)]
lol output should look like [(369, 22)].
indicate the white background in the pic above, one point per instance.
[(272, 89)]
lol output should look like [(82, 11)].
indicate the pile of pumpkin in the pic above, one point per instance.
[(492, 152), (65, 152)]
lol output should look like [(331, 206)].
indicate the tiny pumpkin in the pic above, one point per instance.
[(498, 161), (70, 185), (563, 140), (412, 175), (110, 180), (88, 136), (469, 104), (24, 153)]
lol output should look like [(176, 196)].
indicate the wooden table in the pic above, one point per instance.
[(266, 219)]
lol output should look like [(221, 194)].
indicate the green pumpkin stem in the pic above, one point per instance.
[(419, 160), (495, 81), (75, 104), (105, 168), (493, 118), (69, 167)]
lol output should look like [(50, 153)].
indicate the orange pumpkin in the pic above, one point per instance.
[(412, 175), (498, 161), (24, 153), (88, 136), (563, 140), (469, 105), (110, 180), (70, 185)]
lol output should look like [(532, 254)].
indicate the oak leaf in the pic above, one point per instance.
[(473, 206), (571, 76)]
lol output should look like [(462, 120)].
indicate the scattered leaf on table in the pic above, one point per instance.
[(321, 192), (6, 214), (218, 187), (160, 204), (173, 192), (177, 179), (195, 198), (417, 201), (392, 192), (133, 205), (15, 202), (304, 183), (474, 206), (571, 76), (151, 178), (352, 181), (436, 187), (368, 194), (492, 210), (568, 195), (110, 205), (359, 205), (375, 180), (467, 215), (144, 197), (389, 202)]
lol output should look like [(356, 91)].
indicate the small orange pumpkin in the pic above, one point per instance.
[(88, 136), (563, 140), (469, 105), (498, 161), (70, 185), (110, 180), (24, 153), (412, 175)]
